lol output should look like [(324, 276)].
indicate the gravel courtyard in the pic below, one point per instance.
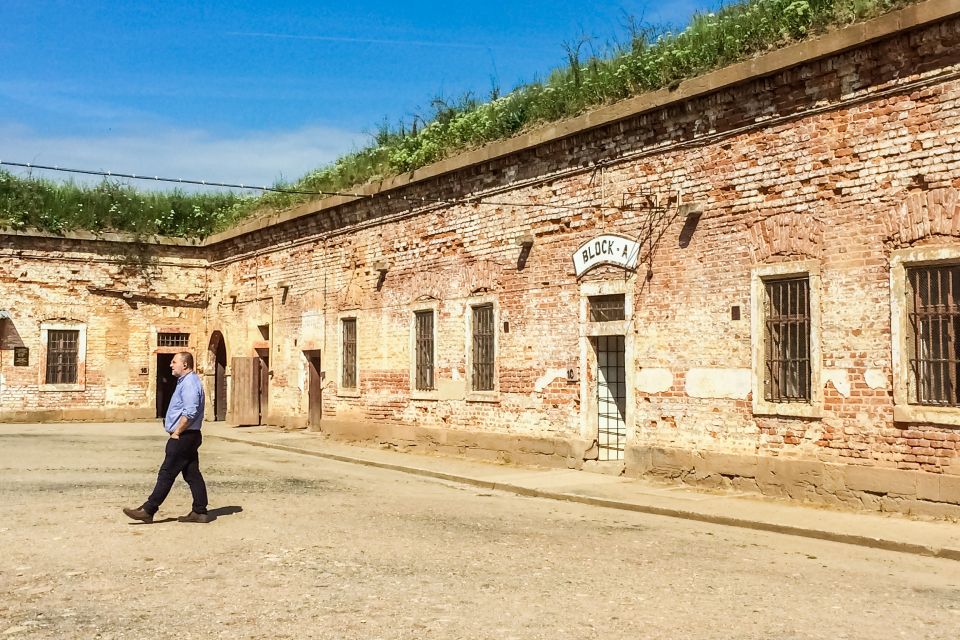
[(303, 547)]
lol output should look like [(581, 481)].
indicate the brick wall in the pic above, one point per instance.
[(837, 160), (120, 294), (810, 163)]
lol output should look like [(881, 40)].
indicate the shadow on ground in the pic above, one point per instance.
[(214, 514), (223, 511)]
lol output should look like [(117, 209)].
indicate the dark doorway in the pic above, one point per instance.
[(166, 383), (218, 356), (264, 358), (315, 389)]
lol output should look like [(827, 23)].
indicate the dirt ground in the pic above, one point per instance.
[(309, 548)]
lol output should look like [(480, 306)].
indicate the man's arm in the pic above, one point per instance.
[(180, 428)]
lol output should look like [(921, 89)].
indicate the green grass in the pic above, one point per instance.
[(109, 206), (647, 59)]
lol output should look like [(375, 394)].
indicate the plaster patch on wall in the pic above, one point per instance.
[(547, 378), (718, 383), (451, 389), (311, 328), (116, 377), (875, 378), (840, 379), (653, 380), (302, 373)]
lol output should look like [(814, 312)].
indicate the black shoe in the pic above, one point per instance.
[(138, 514), (193, 516)]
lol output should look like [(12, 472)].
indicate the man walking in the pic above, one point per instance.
[(182, 422)]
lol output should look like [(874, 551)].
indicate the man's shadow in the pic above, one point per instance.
[(214, 514), (223, 511)]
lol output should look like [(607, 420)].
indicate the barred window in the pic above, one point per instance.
[(348, 379), (787, 340), (607, 308), (173, 339), (424, 348), (62, 349), (934, 322), (483, 348)]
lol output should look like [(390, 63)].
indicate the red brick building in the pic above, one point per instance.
[(749, 280)]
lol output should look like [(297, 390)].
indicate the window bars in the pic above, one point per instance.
[(607, 308), (935, 322), (611, 396), (173, 339), (348, 378), (483, 348), (62, 350), (424, 350), (787, 340)]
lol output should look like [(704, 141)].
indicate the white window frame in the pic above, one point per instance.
[(63, 325), (900, 261), (488, 395), (758, 276), (588, 359)]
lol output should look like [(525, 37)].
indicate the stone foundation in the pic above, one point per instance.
[(493, 447), (838, 485)]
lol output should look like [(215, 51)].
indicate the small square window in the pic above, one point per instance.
[(607, 308), (173, 339)]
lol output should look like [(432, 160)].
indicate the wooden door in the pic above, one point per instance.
[(245, 398)]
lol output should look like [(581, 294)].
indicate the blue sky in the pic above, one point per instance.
[(253, 91)]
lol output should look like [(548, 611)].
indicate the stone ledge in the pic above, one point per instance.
[(107, 236), (78, 415)]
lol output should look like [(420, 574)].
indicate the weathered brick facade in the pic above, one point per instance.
[(837, 161), (119, 295)]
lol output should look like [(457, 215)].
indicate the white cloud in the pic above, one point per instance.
[(257, 158)]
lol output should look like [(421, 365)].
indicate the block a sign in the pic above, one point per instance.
[(606, 249)]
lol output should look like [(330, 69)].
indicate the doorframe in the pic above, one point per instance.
[(589, 420), (155, 365)]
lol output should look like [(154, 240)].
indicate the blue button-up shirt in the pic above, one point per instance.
[(188, 400)]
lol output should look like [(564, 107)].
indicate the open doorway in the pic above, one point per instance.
[(314, 389), (263, 355), (218, 357), (166, 383)]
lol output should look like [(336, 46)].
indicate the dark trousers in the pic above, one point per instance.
[(181, 457)]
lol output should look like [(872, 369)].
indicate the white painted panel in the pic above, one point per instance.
[(718, 383)]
